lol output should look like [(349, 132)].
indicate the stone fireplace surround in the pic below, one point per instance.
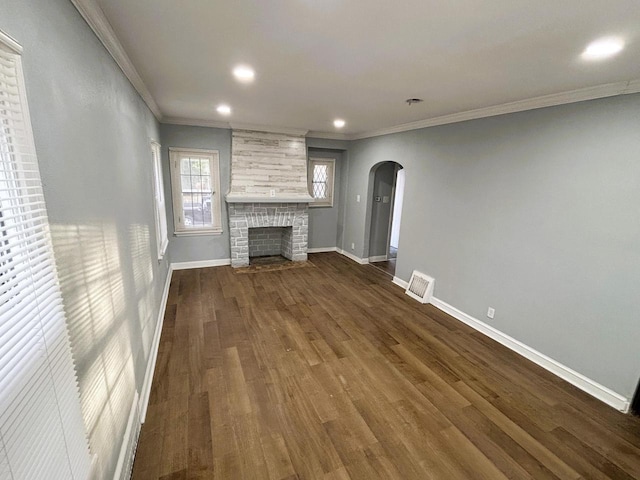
[(243, 216), (268, 189)]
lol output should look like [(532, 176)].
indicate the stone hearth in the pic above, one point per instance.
[(243, 216)]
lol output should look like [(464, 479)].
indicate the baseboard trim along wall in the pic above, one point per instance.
[(361, 261), (378, 258), (578, 380), (155, 344), (201, 264), (322, 249), (400, 282), (129, 442)]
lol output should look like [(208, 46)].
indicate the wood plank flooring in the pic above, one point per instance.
[(333, 373)]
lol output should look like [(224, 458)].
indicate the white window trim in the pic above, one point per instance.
[(331, 163), (179, 228), (160, 207)]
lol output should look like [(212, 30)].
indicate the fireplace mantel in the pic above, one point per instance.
[(285, 199)]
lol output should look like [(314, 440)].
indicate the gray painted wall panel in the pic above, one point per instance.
[(197, 247), (535, 214), (92, 133)]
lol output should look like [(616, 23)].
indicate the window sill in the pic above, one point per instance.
[(326, 205), (163, 250), (197, 233)]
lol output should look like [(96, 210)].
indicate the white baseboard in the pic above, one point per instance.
[(401, 283), (377, 258), (201, 264), (153, 354), (129, 442), (361, 261), (602, 393), (322, 249)]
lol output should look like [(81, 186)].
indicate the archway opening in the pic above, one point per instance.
[(387, 180)]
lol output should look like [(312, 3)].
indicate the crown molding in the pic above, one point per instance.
[(268, 129), (10, 43), (633, 86), (328, 135), (194, 122), (96, 19), (572, 96)]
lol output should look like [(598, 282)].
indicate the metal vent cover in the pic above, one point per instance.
[(420, 287)]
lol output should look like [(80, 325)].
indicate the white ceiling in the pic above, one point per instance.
[(316, 60)]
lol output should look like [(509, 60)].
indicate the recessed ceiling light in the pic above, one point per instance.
[(603, 48), (244, 73), (338, 123), (223, 109)]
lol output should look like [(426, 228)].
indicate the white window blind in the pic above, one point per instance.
[(160, 207), (42, 434)]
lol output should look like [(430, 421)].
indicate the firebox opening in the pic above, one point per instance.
[(270, 242)]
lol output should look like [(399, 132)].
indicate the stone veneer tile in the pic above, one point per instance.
[(242, 216)]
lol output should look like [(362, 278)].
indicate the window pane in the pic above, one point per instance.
[(195, 166), (320, 177), (205, 183), (184, 166), (186, 183)]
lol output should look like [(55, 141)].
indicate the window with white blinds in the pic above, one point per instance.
[(42, 434), (160, 207)]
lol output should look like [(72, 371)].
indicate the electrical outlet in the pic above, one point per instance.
[(491, 312), (272, 193), (353, 246), (358, 198)]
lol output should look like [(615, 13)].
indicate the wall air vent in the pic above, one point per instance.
[(420, 287)]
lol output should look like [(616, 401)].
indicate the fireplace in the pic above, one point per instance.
[(268, 199), (247, 219)]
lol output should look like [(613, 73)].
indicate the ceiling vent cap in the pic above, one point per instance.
[(420, 287)]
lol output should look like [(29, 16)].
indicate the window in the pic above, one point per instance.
[(195, 181), (42, 433), (321, 173), (160, 208)]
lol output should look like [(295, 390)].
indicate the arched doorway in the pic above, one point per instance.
[(386, 187)]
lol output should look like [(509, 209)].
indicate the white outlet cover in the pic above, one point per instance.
[(358, 198), (491, 312), (353, 246)]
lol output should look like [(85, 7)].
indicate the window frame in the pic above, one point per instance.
[(160, 205), (331, 164), (180, 229)]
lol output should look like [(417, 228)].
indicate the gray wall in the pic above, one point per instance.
[(326, 225), (92, 133), (324, 221), (535, 214), (383, 180), (197, 247)]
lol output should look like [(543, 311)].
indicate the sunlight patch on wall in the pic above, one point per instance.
[(93, 280)]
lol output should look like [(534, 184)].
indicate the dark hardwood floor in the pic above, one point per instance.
[(387, 266), (332, 372)]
